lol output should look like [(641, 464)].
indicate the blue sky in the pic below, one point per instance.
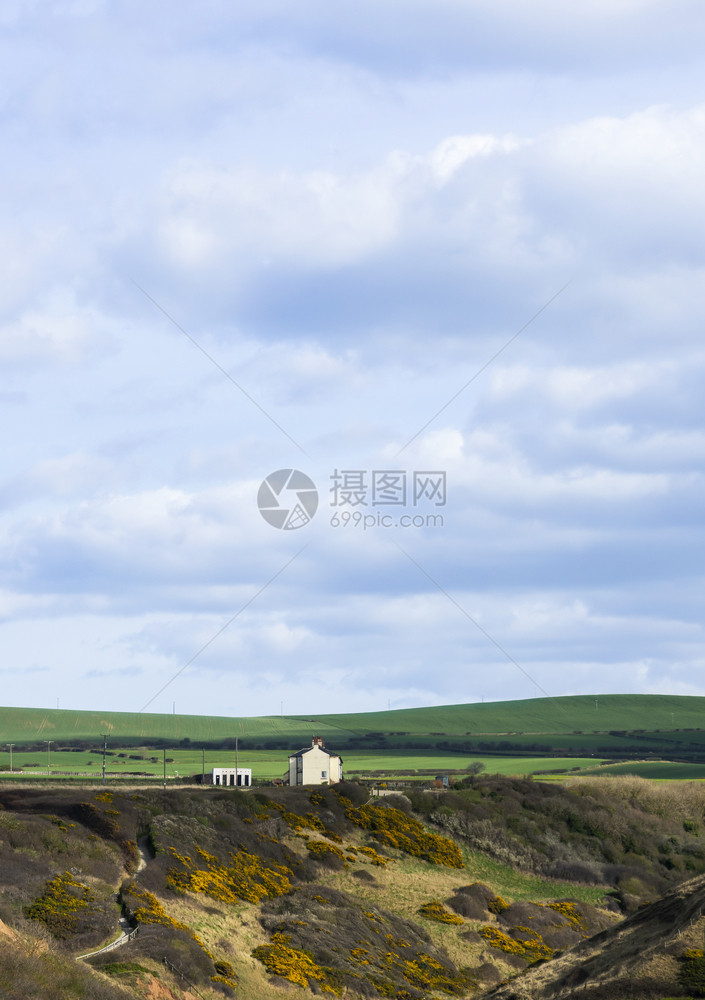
[(243, 240)]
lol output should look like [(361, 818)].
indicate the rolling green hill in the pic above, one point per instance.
[(560, 723), (35, 725), (585, 713)]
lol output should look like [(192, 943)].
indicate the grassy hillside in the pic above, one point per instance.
[(584, 713), (525, 720), (299, 892), (29, 725)]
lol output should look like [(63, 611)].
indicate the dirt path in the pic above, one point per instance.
[(126, 932)]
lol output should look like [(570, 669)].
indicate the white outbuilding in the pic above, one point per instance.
[(240, 777), (315, 765)]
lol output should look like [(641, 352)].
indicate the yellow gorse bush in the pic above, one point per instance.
[(533, 948), (397, 829), (297, 823), (435, 910), (426, 973), (150, 911), (571, 912), (294, 964), (247, 877), (371, 853), (319, 849), (60, 903)]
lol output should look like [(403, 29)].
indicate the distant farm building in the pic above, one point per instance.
[(315, 765), (240, 777)]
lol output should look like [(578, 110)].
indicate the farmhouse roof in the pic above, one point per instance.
[(316, 744)]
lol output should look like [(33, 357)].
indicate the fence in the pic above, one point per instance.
[(178, 972), (118, 943)]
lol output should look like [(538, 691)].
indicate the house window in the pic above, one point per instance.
[(324, 774)]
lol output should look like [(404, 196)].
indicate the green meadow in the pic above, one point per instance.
[(562, 717), (268, 764), (651, 735), (655, 770)]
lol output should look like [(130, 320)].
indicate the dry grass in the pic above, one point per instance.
[(682, 800), (402, 886), (230, 932)]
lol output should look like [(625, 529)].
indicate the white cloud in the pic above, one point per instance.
[(352, 223), (318, 219)]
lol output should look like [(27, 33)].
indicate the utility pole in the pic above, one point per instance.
[(164, 757), (236, 774), (11, 745), (48, 743), (203, 765), (105, 747)]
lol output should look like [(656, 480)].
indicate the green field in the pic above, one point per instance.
[(656, 769), (580, 714), (391, 764), (586, 713), (268, 764), (549, 733), (31, 724)]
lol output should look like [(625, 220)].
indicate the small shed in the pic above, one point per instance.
[(240, 777)]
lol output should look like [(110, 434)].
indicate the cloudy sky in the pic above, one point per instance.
[(376, 243)]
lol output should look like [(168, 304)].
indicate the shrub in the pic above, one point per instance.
[(395, 828), (522, 941), (247, 877), (294, 964), (466, 907), (691, 975), (372, 855), (327, 854), (363, 946), (61, 905), (435, 910)]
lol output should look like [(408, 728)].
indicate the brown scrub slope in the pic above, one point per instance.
[(645, 956)]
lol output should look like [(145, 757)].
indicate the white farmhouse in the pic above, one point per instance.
[(315, 765), (235, 776)]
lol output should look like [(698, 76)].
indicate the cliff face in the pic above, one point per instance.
[(650, 954)]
